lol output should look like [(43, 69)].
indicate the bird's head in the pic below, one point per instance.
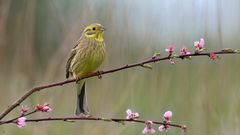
[(95, 31)]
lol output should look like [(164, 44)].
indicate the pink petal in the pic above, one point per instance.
[(161, 128), (149, 124), (167, 114), (170, 48), (196, 44), (22, 119), (39, 107), (213, 56), (131, 114), (128, 111), (184, 128), (21, 122), (145, 130), (136, 115), (24, 109), (152, 131), (46, 109), (202, 42), (148, 130), (171, 62)]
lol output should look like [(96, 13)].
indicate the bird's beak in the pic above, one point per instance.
[(103, 28)]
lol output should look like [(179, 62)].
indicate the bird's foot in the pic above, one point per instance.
[(82, 115), (99, 74), (78, 78)]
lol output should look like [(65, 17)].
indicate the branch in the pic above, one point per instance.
[(131, 117), (76, 118), (67, 119), (99, 73), (14, 119)]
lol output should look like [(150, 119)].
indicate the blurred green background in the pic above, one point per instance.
[(36, 37)]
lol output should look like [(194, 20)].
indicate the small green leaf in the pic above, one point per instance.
[(199, 50), (228, 50), (147, 66), (174, 56), (46, 104), (189, 57), (155, 55), (237, 51)]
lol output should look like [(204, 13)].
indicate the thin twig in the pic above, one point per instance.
[(14, 119), (139, 64), (118, 120)]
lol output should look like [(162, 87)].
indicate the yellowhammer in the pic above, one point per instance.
[(85, 58)]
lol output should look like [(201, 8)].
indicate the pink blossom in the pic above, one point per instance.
[(202, 42), (184, 128), (213, 56), (167, 116), (39, 107), (170, 49), (21, 122), (184, 51), (163, 128), (46, 109), (199, 45), (43, 108), (148, 129), (131, 114), (171, 61), (24, 109)]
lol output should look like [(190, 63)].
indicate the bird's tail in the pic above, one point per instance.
[(82, 105)]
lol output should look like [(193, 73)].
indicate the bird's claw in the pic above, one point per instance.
[(77, 79), (85, 115), (99, 74)]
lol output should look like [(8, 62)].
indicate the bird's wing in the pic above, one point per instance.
[(70, 58), (69, 61)]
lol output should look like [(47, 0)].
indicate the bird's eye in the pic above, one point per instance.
[(93, 28)]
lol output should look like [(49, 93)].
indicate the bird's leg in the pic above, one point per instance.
[(77, 78), (99, 73)]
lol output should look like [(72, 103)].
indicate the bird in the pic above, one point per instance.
[(85, 57)]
